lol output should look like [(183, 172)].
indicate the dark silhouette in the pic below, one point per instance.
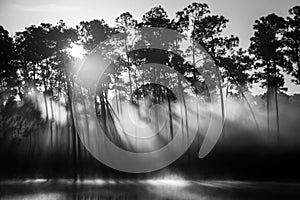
[(38, 77)]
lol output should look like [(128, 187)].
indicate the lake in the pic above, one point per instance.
[(149, 189)]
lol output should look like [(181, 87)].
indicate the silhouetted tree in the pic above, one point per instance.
[(292, 41), (37, 62), (266, 48), (8, 75), (92, 33)]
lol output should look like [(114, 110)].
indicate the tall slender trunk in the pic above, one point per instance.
[(185, 109), (222, 103), (86, 117), (268, 98), (51, 100), (276, 104), (170, 115), (52, 121), (277, 115), (116, 92), (244, 97), (219, 78), (69, 94), (128, 63)]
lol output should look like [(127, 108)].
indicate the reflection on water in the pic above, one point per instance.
[(162, 188)]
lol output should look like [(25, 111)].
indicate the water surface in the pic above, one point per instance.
[(150, 189)]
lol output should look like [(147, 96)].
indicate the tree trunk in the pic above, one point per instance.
[(276, 104), (268, 98), (69, 92)]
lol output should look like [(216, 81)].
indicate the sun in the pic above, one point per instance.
[(76, 51)]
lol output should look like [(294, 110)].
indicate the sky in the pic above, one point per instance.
[(16, 15)]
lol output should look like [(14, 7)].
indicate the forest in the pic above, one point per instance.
[(38, 70)]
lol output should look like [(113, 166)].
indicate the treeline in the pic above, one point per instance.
[(38, 60)]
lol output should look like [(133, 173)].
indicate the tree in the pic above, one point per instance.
[(156, 17), (8, 75), (206, 29), (93, 32), (292, 41), (125, 21), (266, 49), (44, 66), (237, 65)]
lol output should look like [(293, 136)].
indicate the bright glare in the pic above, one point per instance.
[(38, 180), (169, 180), (76, 51)]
